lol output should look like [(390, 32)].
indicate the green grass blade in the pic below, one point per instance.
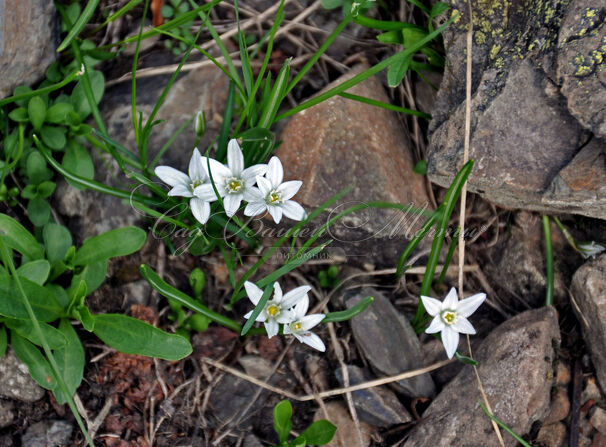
[(79, 25), (133, 92), (348, 314), (453, 244), (116, 15), (41, 91), (548, 262), (385, 105), (417, 239), (258, 308), (450, 200), (172, 293), (226, 124), (504, 426), (409, 52)]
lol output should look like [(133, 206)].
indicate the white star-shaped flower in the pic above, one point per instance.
[(450, 317), (277, 310), (590, 249), (190, 184), (233, 182), (301, 324), (274, 195)]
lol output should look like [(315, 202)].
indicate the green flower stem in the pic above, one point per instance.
[(548, 262), (8, 262), (450, 200), (503, 426), (41, 91), (453, 244)]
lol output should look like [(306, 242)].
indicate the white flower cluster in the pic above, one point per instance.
[(288, 309), (234, 183)]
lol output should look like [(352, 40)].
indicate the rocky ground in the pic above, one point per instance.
[(538, 138)]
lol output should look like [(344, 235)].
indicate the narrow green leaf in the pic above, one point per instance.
[(79, 25), (36, 271), (44, 303), (38, 366), (25, 329), (282, 419), (133, 336), (70, 360), (118, 242), (348, 314), (258, 308), (504, 426), (18, 238), (3, 341)]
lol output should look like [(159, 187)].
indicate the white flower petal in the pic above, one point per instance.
[(235, 158), (261, 318), (450, 340), (287, 330), (278, 294), (309, 321), (247, 315), (253, 194), (172, 176), (436, 325), (200, 209), (463, 326), (289, 189), (293, 210), (272, 327), (218, 170), (254, 208), (206, 192), (196, 170), (285, 317), (250, 174), (264, 185), (231, 202), (313, 340), (301, 307), (275, 173), (180, 191), (469, 305), (276, 213), (451, 300), (432, 306), (294, 296), (253, 292)]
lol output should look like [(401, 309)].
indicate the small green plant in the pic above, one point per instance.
[(54, 278), (329, 278), (172, 10), (318, 433)]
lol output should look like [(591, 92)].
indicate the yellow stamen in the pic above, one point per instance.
[(273, 310), (298, 326), (449, 317)]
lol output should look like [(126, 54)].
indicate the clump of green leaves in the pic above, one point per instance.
[(172, 10), (47, 279), (318, 433), (329, 278)]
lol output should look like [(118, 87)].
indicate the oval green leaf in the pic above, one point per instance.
[(119, 242)]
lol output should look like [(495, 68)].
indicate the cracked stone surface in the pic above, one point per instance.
[(538, 105), (30, 24), (15, 381)]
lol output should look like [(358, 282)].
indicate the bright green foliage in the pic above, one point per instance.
[(174, 9), (46, 264), (318, 433), (328, 278)]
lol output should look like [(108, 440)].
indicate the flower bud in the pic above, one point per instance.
[(200, 123)]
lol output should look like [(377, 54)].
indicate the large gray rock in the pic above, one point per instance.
[(537, 95), (49, 433), (340, 143), (15, 381), (377, 406), (589, 293), (6, 413), (389, 342), (516, 365), (28, 40)]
